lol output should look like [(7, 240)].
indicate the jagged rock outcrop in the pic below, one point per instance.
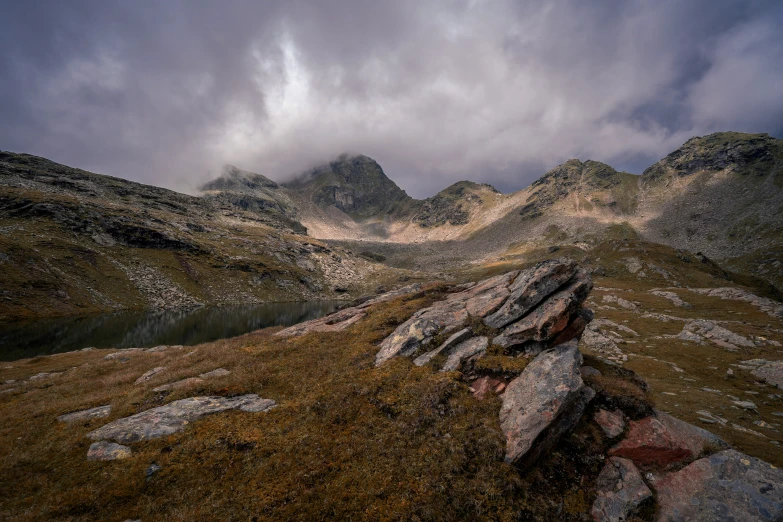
[(535, 306)]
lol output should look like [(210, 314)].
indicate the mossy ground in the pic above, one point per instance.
[(347, 442)]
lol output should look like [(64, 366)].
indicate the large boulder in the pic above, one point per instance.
[(530, 288), (535, 399), (725, 486), (620, 491)]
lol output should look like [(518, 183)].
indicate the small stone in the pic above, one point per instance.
[(152, 469), (612, 422), (745, 405), (148, 375), (484, 385), (219, 372), (104, 450), (84, 415), (589, 371)]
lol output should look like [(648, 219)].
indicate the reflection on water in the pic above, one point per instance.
[(146, 329)]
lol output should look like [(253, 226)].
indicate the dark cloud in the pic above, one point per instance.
[(165, 92)]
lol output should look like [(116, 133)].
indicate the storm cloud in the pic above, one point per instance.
[(499, 92)]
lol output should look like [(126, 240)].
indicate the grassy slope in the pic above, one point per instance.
[(347, 441)]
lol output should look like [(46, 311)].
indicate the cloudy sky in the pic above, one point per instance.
[(165, 92)]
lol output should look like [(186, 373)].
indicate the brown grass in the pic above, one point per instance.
[(347, 441)]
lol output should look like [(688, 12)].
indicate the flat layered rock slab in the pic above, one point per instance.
[(149, 374), (173, 417), (620, 490), (474, 347), (728, 485), (104, 450), (85, 415), (532, 401), (449, 343)]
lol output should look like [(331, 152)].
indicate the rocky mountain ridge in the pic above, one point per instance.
[(75, 242)]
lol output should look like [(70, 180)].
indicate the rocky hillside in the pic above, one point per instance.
[(500, 399), (721, 195), (75, 242)]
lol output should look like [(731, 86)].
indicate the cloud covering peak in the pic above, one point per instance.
[(497, 92)]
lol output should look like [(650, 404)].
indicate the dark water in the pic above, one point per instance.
[(146, 329)]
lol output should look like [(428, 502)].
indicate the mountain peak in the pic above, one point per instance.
[(236, 180), (740, 152), (354, 184)]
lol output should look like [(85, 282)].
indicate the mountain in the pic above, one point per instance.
[(75, 242), (720, 195), (356, 185)]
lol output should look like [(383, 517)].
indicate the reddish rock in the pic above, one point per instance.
[(612, 422), (575, 328), (661, 440), (484, 385)]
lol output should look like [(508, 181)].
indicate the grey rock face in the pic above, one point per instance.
[(449, 343), (465, 351), (560, 426), (545, 301), (104, 450), (553, 315), (769, 371), (620, 490), (445, 315), (530, 288), (84, 415), (538, 396), (728, 485), (173, 417)]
